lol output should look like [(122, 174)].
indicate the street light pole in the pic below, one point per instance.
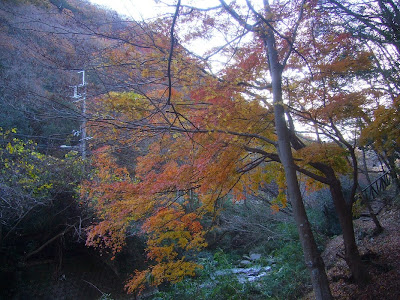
[(82, 99)]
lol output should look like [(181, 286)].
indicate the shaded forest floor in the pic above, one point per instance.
[(381, 254)]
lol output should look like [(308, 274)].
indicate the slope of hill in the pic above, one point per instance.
[(42, 46)]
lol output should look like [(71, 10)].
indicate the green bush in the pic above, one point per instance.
[(287, 278), (289, 274), (37, 195)]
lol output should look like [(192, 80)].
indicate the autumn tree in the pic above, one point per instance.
[(239, 155), (331, 102), (377, 25), (276, 66), (212, 135)]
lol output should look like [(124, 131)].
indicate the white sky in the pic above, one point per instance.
[(136, 9), (149, 9), (146, 9)]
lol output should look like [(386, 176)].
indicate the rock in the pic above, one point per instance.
[(255, 256), (245, 274), (267, 269), (245, 262), (223, 272)]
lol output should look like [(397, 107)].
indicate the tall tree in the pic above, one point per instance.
[(276, 66), (212, 135), (222, 95)]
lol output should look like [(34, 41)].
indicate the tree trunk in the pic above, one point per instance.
[(378, 226), (344, 212), (312, 257), (365, 167)]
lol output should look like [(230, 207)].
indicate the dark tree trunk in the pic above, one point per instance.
[(312, 256), (365, 167), (344, 212), (378, 226)]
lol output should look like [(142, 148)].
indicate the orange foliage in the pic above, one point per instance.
[(211, 143), (180, 177)]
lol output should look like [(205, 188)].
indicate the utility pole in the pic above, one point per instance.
[(82, 99)]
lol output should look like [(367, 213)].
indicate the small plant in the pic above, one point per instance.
[(106, 297), (289, 274), (357, 208)]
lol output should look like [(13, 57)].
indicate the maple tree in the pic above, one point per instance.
[(227, 171), (211, 137), (174, 189)]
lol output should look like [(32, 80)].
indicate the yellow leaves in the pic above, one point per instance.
[(15, 147), (313, 185), (170, 232), (10, 148), (23, 168), (137, 283), (383, 132), (357, 208), (328, 153), (280, 201), (172, 271), (146, 73), (275, 208)]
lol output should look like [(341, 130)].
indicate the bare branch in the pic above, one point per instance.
[(171, 50)]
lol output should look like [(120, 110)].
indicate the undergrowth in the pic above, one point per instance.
[(288, 277)]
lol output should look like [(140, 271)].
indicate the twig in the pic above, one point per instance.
[(94, 287), (171, 51)]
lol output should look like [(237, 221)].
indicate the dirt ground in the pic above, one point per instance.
[(381, 253)]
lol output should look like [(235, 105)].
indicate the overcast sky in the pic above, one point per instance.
[(136, 9), (149, 9)]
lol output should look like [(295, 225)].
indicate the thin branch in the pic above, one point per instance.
[(171, 50), (236, 16), (275, 157), (49, 242)]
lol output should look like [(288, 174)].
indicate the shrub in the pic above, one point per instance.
[(287, 279)]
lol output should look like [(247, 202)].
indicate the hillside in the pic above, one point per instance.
[(380, 253), (42, 47)]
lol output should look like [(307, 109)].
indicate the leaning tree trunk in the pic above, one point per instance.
[(312, 256), (344, 212)]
